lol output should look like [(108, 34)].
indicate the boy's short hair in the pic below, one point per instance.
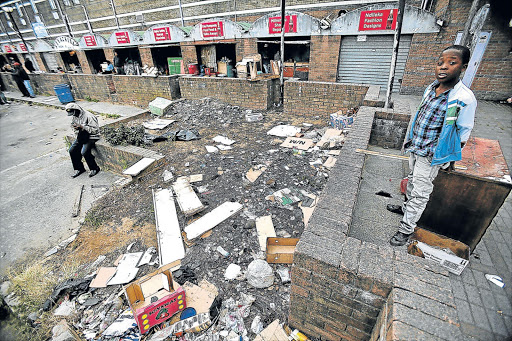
[(464, 52)]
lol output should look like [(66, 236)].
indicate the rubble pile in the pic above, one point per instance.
[(273, 170)]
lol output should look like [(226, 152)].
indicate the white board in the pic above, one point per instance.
[(212, 219), (170, 243), (139, 166), (187, 198), (265, 229)]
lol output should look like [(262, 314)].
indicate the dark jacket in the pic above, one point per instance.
[(19, 74), (29, 65)]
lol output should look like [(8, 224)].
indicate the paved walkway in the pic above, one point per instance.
[(484, 309)]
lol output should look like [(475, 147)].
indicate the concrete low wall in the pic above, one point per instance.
[(389, 129), (92, 87), (140, 90), (311, 99), (258, 95), (346, 289)]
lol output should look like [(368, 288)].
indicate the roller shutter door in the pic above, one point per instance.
[(368, 62), (51, 61)]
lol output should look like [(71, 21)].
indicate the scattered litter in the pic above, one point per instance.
[(147, 256), (211, 149), (223, 140), (255, 172), (384, 194), (332, 139), (253, 117), (187, 135), (62, 332), (286, 196), (184, 274), (284, 274), (72, 287), (280, 250), (223, 147), (52, 251), (265, 229), (127, 269), (191, 178), (260, 274), (78, 202), (167, 175), (330, 162), (194, 324), (157, 124), (170, 244), (232, 271), (223, 252), (129, 247), (256, 325), (212, 219), (122, 325), (495, 280), (138, 167), (283, 131), (334, 152), (187, 199), (340, 121), (198, 298), (297, 143), (103, 275), (160, 106), (273, 332), (298, 336), (66, 308), (307, 205)]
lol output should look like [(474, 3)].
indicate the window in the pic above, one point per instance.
[(52, 5), (55, 15)]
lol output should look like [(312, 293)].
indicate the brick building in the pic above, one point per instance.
[(351, 45)]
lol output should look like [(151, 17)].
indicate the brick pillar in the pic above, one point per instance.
[(60, 62), (146, 56), (109, 54), (188, 52), (245, 47), (39, 61), (323, 60), (84, 62)]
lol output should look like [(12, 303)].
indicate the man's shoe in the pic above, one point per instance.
[(395, 209), (77, 173), (94, 172), (399, 239)]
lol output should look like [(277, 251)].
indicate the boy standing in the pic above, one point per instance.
[(439, 131)]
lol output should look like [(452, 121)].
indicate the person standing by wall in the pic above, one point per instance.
[(20, 76), (29, 65), (87, 130)]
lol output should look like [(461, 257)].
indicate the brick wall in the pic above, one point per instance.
[(389, 129), (8, 81), (253, 95), (84, 62), (43, 83), (39, 61), (188, 52), (140, 90), (109, 54), (245, 47), (321, 98), (345, 289), (95, 87), (146, 57), (493, 80), (323, 60)]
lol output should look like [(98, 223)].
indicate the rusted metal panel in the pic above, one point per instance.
[(464, 203)]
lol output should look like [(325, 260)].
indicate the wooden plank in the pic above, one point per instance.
[(191, 178), (393, 156), (330, 162), (297, 143), (139, 166), (265, 229), (212, 219), (170, 244), (78, 202), (187, 199)]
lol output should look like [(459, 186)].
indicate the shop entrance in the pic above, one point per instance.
[(71, 62), (296, 55), (130, 60), (95, 59), (210, 55), (161, 55)]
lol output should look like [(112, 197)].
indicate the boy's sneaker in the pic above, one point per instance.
[(395, 209), (399, 239)]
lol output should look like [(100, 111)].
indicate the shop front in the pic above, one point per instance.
[(10, 54), (127, 59), (92, 45), (161, 45), (67, 48), (367, 42), (47, 55), (299, 28)]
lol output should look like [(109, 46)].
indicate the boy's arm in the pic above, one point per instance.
[(466, 121)]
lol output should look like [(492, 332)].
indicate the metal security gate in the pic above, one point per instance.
[(367, 59), (51, 61)]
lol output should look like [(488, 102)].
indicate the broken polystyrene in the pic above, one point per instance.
[(66, 308), (211, 149), (495, 280), (283, 131), (232, 271), (223, 140), (284, 274), (256, 325)]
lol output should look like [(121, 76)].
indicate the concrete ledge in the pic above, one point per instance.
[(371, 99)]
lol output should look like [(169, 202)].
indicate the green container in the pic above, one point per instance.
[(174, 65)]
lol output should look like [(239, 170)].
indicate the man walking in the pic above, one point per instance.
[(86, 126)]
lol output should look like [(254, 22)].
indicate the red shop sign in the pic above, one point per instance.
[(213, 29), (90, 41), (122, 37), (378, 20), (290, 24), (23, 47), (162, 33), (7, 49)]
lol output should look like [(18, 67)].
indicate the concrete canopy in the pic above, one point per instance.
[(161, 34), (215, 29), (42, 46), (121, 38), (92, 41), (296, 24), (415, 20)]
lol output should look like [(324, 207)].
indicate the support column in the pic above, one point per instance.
[(188, 52), (146, 56), (84, 62), (109, 54), (39, 61), (323, 58), (245, 47)]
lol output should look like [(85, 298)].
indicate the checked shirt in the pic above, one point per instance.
[(429, 123)]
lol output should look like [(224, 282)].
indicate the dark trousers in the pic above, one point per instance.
[(79, 149), (22, 88)]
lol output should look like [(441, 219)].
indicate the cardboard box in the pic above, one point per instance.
[(154, 298), (280, 250), (340, 121), (160, 106), (430, 245)]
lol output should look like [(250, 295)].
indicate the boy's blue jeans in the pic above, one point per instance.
[(419, 188)]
